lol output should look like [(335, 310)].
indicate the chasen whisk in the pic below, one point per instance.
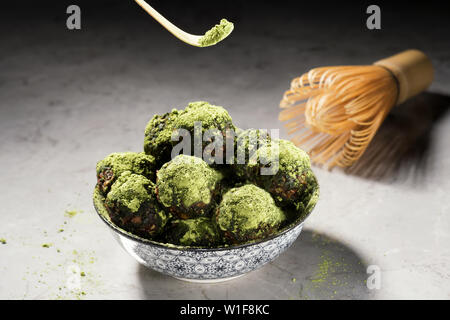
[(334, 112)]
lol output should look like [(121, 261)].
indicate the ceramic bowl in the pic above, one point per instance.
[(202, 264)]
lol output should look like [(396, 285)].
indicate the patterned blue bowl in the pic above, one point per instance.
[(201, 264)]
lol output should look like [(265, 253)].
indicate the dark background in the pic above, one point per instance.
[(334, 32), (122, 66)]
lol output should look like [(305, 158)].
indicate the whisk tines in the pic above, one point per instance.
[(334, 112)]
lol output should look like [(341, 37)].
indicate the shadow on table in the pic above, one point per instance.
[(316, 266), (400, 148)]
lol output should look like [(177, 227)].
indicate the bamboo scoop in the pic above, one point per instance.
[(211, 37), (334, 112)]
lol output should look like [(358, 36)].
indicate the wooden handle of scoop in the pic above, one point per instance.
[(413, 71)]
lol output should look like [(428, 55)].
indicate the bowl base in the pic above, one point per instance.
[(209, 280)]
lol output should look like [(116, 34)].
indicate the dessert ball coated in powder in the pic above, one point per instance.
[(247, 142), (187, 186), (248, 213), (284, 170), (158, 133), (132, 205), (200, 232), (111, 167)]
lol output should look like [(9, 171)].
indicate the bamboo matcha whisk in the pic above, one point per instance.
[(334, 112)]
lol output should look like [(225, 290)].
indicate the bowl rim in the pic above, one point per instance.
[(141, 240)]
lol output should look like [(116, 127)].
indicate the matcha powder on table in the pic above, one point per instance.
[(217, 33)]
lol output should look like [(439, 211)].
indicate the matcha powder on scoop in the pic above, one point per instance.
[(217, 33)]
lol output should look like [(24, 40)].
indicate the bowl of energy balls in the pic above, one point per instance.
[(230, 202)]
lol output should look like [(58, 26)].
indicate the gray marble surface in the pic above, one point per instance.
[(67, 99)]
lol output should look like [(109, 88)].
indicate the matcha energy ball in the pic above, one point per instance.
[(211, 117), (288, 178), (111, 167), (201, 232), (187, 186), (158, 133), (132, 205), (248, 213), (247, 142)]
